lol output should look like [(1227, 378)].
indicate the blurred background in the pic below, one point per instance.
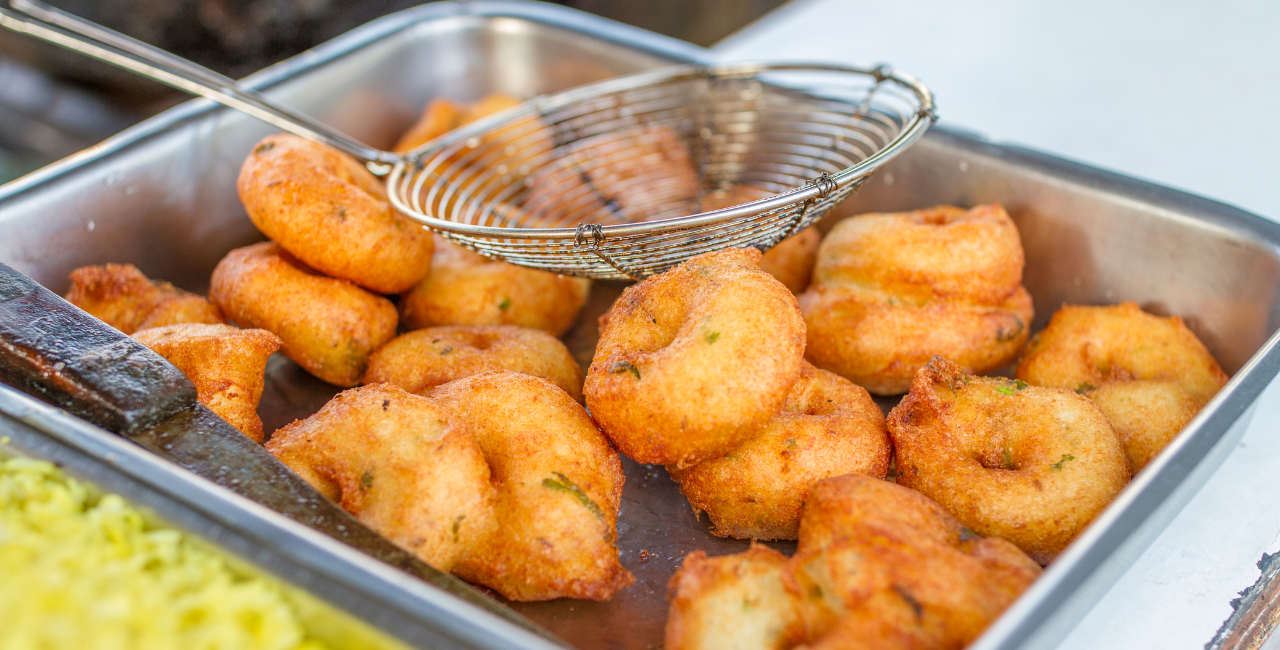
[(54, 103)]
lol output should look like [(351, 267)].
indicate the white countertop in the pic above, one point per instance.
[(1179, 93)]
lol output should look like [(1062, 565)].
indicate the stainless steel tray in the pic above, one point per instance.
[(162, 196)]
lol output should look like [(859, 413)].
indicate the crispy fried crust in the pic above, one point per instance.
[(878, 566), (732, 601), (330, 212), (1028, 464), (423, 359), (1149, 375), (467, 289), (402, 464), (122, 297), (828, 426), (890, 291), (559, 490), (225, 363), (792, 259), (693, 361), (326, 325)]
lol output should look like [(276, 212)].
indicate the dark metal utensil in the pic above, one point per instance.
[(56, 352)]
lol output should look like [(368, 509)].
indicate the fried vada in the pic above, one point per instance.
[(693, 361), (423, 359), (878, 566), (790, 260), (227, 365), (1149, 375), (559, 489), (890, 291), (402, 464), (327, 210), (326, 325), (464, 288), (122, 297), (1028, 464), (828, 426)]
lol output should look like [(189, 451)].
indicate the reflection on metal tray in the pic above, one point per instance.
[(163, 197)]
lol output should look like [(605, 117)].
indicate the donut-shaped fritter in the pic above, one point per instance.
[(878, 566), (330, 212), (827, 427), (1149, 375), (122, 297), (792, 259), (559, 490), (468, 289), (693, 361), (402, 464), (1028, 464), (890, 291), (326, 325), (423, 359), (227, 365)]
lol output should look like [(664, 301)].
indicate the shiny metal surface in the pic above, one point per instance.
[(163, 197)]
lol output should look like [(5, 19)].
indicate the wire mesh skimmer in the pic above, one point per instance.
[(620, 179)]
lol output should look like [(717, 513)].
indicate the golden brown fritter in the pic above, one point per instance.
[(733, 601), (464, 288), (1028, 464), (423, 359), (444, 115), (326, 325), (878, 566), (328, 211), (225, 363), (626, 175), (792, 259), (403, 465), (827, 427), (559, 489), (890, 291), (1149, 375), (122, 297), (693, 361)]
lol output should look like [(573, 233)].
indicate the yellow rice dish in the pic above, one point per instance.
[(81, 569)]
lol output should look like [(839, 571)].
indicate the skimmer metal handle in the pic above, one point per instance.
[(72, 32)]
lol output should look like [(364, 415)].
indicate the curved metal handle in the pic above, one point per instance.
[(77, 34)]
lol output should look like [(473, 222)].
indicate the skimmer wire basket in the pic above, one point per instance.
[(619, 179)]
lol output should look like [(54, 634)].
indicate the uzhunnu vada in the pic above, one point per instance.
[(122, 297), (423, 359), (402, 464), (878, 566), (1028, 464), (559, 489), (693, 361), (792, 259), (1149, 375), (225, 363), (327, 210), (326, 325), (828, 426), (890, 291), (464, 288)]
